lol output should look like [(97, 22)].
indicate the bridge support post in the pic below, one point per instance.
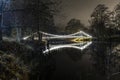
[(18, 37)]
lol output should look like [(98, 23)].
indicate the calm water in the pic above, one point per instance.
[(99, 61)]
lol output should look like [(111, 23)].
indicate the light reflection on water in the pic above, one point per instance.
[(99, 61), (80, 46)]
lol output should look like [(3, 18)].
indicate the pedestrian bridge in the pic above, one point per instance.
[(79, 40)]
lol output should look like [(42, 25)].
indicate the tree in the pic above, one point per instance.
[(37, 15), (12, 17), (2, 6), (0, 30), (43, 13), (1, 14), (11, 67), (117, 16), (99, 19), (74, 25)]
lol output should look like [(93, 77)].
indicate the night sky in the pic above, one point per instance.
[(80, 9)]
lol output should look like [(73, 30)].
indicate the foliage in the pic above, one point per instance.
[(117, 16), (35, 15), (11, 68), (105, 23), (38, 65), (74, 25), (115, 59), (99, 18)]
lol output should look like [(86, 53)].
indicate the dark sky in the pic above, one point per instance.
[(80, 9)]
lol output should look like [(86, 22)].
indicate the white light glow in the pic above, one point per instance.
[(25, 38), (78, 45), (67, 46), (52, 36)]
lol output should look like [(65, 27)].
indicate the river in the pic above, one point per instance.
[(99, 61)]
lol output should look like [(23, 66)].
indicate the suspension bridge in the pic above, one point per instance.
[(79, 40)]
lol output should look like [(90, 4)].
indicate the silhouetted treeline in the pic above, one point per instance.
[(105, 23)]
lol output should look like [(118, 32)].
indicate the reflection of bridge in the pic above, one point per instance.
[(79, 40)]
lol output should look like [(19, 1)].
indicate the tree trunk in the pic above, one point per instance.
[(0, 28), (0, 31), (37, 13), (18, 34)]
